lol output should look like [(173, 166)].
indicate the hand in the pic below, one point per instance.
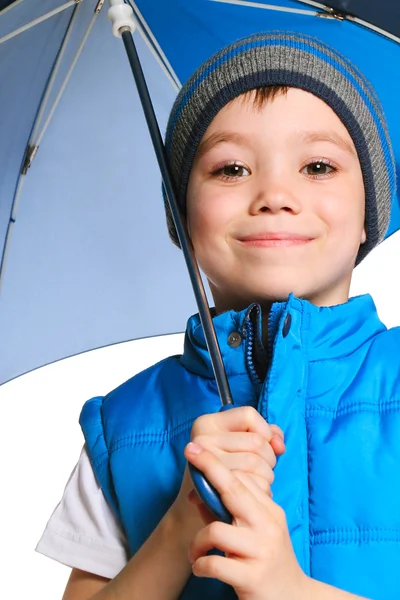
[(242, 440), (259, 560)]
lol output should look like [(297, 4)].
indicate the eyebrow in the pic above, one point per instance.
[(218, 138), (332, 137), (308, 137)]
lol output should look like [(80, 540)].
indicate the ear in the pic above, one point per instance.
[(363, 236)]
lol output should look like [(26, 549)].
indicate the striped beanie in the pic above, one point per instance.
[(293, 60)]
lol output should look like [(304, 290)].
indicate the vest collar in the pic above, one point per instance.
[(329, 332)]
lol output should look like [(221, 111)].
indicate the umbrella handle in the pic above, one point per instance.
[(209, 495), (207, 492)]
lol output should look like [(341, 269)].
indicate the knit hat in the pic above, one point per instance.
[(293, 60)]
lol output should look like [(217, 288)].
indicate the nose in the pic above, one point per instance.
[(275, 194)]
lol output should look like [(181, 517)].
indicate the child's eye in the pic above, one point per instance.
[(231, 171), (319, 169)]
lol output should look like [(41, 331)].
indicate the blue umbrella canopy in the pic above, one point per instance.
[(85, 257)]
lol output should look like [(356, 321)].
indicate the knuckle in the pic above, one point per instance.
[(251, 415), (199, 438), (199, 424)]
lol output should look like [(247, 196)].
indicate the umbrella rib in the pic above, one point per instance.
[(11, 222), (155, 47), (32, 148), (367, 25), (66, 80), (44, 17), (53, 75), (352, 19), (9, 7), (297, 11), (326, 12)]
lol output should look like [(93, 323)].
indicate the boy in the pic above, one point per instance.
[(284, 169)]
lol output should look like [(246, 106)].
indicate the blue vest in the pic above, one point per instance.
[(333, 386)]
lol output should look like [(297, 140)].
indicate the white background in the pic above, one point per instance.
[(40, 438)]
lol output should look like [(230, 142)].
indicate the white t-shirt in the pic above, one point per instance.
[(83, 532)]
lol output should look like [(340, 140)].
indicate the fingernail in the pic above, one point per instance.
[(193, 448)]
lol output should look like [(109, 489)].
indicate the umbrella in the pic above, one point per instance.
[(88, 262), (69, 243)]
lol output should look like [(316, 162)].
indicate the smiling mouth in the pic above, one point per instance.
[(275, 240)]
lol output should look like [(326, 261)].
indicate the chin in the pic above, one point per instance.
[(279, 291)]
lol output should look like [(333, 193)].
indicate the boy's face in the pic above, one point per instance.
[(276, 202)]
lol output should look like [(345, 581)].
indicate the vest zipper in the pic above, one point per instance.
[(272, 327), (249, 352)]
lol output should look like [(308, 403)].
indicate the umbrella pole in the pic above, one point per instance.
[(120, 14), (186, 245)]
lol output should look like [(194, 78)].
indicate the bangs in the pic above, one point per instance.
[(262, 95)]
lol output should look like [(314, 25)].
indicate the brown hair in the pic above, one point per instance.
[(262, 95)]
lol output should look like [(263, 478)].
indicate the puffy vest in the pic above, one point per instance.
[(332, 385)]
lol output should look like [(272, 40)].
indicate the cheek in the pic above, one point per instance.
[(209, 216), (344, 214)]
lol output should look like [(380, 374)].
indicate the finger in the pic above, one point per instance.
[(238, 442), (241, 418), (226, 538), (277, 431), (260, 494), (245, 461), (275, 513), (236, 497), (228, 570), (278, 440), (261, 483), (278, 446)]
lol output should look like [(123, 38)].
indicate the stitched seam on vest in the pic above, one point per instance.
[(147, 437), (353, 408), (101, 460), (349, 353), (354, 536), (103, 456), (103, 428)]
